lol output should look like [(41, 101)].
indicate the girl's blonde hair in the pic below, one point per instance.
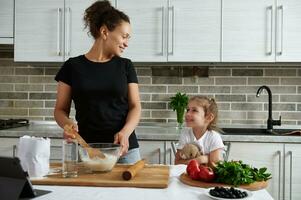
[(209, 105)]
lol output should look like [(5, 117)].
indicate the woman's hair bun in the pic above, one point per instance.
[(102, 13)]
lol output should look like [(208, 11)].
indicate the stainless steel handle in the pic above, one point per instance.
[(227, 149), (279, 174), (270, 45), (165, 153), (173, 146), (290, 153), (170, 157), (68, 31), (159, 151), (58, 36), (162, 35), (280, 8), (172, 8), (14, 150)]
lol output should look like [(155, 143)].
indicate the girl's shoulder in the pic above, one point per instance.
[(213, 134)]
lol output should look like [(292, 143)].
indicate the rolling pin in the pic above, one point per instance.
[(133, 170)]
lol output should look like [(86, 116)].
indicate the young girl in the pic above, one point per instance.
[(201, 118)]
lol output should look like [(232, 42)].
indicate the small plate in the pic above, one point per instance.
[(220, 198)]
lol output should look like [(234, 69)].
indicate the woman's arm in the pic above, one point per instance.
[(63, 106), (132, 119)]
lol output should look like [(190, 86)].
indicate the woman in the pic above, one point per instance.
[(102, 85)]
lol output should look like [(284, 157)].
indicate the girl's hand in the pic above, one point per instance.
[(68, 131), (123, 140), (203, 159)]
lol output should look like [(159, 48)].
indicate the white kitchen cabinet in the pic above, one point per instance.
[(6, 21), (156, 152), (261, 31), (292, 180), (9, 148), (39, 30), (173, 30), (50, 31), (288, 46), (282, 160)]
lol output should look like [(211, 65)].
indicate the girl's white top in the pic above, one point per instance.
[(210, 141)]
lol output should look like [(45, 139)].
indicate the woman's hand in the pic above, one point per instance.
[(123, 140), (68, 131)]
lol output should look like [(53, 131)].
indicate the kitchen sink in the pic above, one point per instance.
[(255, 131)]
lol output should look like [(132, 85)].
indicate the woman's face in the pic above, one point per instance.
[(117, 40), (195, 116)]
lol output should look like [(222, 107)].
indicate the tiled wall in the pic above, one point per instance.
[(28, 90)]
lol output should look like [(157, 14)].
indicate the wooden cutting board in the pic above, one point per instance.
[(151, 176), (197, 183)]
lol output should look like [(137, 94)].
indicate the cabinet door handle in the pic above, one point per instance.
[(174, 149), (280, 8), (172, 8), (279, 173), (270, 45), (162, 35), (170, 157), (290, 153), (68, 31), (14, 150), (58, 36), (159, 151), (165, 153)]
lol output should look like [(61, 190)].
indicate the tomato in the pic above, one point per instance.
[(193, 169), (206, 174)]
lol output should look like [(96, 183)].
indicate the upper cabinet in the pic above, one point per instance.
[(6, 21), (174, 30), (288, 46), (51, 30), (261, 31), (163, 30)]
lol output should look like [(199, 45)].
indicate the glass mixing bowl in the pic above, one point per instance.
[(98, 164)]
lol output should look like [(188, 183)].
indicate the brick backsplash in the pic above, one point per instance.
[(28, 90)]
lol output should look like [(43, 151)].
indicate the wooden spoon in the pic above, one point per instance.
[(92, 152)]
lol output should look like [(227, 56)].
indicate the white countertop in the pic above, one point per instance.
[(176, 190)]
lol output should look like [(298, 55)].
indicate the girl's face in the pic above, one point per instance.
[(195, 116), (117, 40)]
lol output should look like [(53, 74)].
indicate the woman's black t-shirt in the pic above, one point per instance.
[(100, 95)]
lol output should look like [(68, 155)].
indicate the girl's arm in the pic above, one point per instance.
[(215, 156)]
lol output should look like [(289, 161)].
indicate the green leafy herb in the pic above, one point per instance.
[(237, 173), (179, 103)]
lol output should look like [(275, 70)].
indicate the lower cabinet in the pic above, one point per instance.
[(292, 173), (9, 148), (282, 160), (157, 152)]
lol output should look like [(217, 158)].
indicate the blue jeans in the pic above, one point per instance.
[(131, 157)]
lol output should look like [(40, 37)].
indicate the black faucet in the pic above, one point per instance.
[(270, 121)]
